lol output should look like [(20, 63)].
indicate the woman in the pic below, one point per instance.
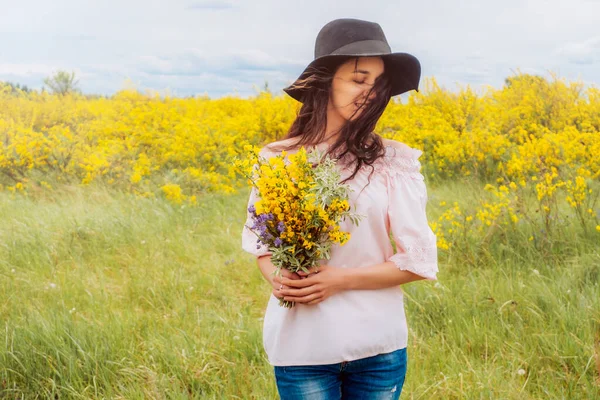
[(347, 335)]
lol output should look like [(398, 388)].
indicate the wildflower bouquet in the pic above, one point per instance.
[(301, 204)]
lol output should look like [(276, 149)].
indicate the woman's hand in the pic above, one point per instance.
[(277, 284), (320, 283)]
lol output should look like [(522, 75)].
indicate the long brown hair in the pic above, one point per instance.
[(356, 140)]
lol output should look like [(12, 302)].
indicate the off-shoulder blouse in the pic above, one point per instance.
[(354, 324)]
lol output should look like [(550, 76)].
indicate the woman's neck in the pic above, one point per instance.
[(334, 125)]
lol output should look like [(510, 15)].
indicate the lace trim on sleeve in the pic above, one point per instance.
[(401, 163), (420, 256)]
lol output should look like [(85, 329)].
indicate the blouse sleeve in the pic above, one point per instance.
[(249, 238), (415, 241)]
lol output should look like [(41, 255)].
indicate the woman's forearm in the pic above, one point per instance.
[(266, 267), (378, 276)]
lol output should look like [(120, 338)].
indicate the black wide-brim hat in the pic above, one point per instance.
[(345, 37)]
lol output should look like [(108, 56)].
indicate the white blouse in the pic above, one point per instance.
[(355, 324)]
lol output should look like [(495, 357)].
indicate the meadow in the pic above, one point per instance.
[(123, 275)]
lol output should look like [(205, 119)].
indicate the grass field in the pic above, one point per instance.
[(107, 296)]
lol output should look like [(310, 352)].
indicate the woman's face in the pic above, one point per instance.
[(351, 83)]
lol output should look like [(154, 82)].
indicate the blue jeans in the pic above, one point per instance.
[(377, 377)]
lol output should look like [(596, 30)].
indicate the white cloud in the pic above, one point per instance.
[(586, 52), (210, 5), (219, 45), (26, 70)]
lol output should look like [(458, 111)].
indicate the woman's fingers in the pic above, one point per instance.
[(277, 280), (305, 299), (309, 281), (293, 275), (287, 291), (277, 291), (286, 274), (311, 270), (277, 283), (289, 274)]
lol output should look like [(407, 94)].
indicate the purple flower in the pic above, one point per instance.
[(278, 242), (280, 227), (252, 209), (260, 224)]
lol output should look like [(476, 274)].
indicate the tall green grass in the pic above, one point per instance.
[(106, 296)]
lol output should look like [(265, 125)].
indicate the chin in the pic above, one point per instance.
[(351, 117), (347, 114)]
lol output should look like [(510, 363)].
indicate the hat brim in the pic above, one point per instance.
[(405, 72)]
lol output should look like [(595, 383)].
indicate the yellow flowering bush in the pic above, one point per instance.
[(542, 135)]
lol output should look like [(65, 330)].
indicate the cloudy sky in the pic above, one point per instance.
[(222, 47)]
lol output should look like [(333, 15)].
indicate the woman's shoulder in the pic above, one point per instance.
[(401, 159), (396, 149)]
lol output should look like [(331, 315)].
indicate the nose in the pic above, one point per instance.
[(365, 99), (371, 96)]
